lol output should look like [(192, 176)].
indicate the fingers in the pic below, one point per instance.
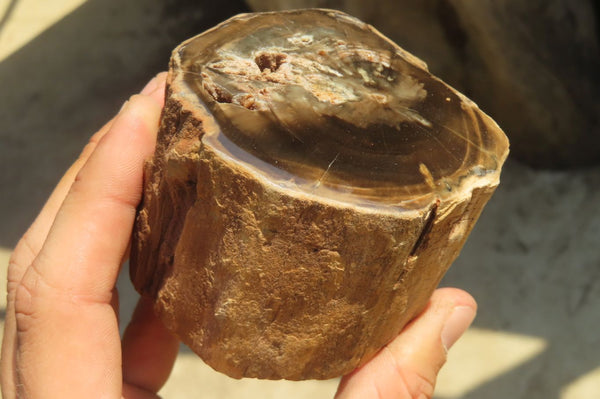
[(407, 368), (35, 236), (98, 211), (27, 249), (67, 332), (31, 243), (149, 350)]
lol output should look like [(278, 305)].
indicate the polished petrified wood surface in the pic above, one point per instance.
[(311, 185), (322, 102)]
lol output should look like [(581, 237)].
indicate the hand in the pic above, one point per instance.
[(61, 334), (407, 367)]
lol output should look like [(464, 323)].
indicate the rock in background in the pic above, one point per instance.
[(532, 65)]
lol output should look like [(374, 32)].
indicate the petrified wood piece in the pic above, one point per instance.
[(312, 183)]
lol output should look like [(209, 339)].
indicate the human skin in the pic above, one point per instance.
[(61, 335)]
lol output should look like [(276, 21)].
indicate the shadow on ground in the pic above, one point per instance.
[(533, 261), (64, 84), (533, 264)]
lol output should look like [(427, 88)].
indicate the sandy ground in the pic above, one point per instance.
[(532, 262)]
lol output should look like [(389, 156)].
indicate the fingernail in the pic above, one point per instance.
[(456, 324), (150, 86)]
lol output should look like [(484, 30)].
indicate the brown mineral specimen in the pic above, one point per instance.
[(312, 183)]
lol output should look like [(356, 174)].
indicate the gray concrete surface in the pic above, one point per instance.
[(532, 262)]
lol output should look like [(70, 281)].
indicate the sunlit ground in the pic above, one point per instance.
[(29, 18)]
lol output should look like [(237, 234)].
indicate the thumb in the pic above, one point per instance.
[(407, 367)]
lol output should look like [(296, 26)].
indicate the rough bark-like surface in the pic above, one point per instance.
[(270, 282), (532, 65)]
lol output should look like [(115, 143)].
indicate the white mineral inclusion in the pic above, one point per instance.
[(330, 69)]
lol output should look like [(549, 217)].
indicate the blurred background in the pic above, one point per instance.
[(533, 260)]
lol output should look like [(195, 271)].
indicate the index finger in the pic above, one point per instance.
[(32, 241), (37, 232), (62, 304)]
